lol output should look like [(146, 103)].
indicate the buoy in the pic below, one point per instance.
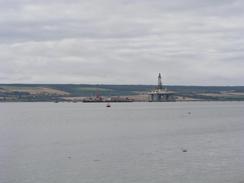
[(184, 150)]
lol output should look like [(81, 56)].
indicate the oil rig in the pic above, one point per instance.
[(161, 94)]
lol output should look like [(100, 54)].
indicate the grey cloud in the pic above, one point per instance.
[(107, 41)]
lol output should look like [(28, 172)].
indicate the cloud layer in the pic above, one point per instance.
[(122, 41)]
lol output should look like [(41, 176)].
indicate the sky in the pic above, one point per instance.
[(190, 42)]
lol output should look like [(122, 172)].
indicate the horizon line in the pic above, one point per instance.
[(121, 84)]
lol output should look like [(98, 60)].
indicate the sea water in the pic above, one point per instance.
[(179, 142)]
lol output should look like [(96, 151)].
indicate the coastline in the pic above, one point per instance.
[(113, 93)]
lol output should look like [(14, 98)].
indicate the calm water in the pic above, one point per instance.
[(127, 143)]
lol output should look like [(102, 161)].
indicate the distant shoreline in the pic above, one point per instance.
[(137, 93)]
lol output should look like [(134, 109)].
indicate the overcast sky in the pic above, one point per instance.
[(191, 42)]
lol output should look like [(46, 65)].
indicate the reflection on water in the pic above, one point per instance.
[(127, 143)]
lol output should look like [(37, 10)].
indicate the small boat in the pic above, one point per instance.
[(108, 105)]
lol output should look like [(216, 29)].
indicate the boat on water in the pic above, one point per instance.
[(108, 105), (104, 99)]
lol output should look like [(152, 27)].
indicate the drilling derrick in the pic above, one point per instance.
[(160, 87)]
